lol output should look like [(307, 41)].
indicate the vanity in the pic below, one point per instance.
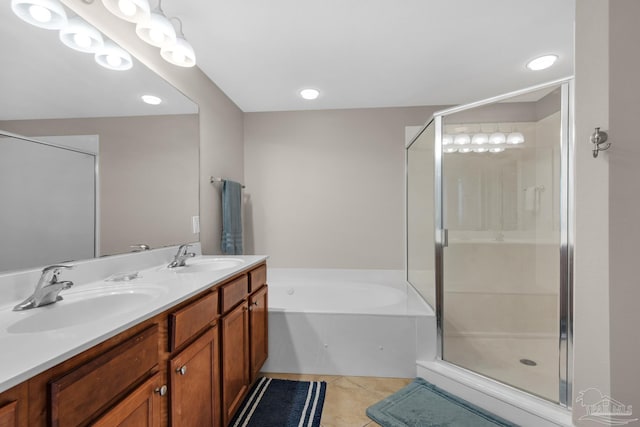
[(185, 356)]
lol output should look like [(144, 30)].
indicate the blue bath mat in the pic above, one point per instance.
[(422, 404), (282, 403)]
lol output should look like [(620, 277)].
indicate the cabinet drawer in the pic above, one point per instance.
[(234, 292), (185, 323), (80, 394), (257, 278)]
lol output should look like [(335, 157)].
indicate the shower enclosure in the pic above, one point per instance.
[(488, 236)]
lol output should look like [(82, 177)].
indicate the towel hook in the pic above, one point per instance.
[(599, 138)]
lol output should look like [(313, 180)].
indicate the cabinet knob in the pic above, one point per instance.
[(182, 370), (161, 390), (255, 303)]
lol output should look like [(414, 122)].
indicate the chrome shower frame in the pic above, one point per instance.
[(567, 209)]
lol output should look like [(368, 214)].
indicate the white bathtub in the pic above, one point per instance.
[(346, 322)]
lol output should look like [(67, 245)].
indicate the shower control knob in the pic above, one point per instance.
[(182, 370)]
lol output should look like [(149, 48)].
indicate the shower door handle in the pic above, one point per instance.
[(445, 237)]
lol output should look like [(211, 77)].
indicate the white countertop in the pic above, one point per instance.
[(24, 355)]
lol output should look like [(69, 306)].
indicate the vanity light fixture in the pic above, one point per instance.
[(81, 36), (496, 150), (151, 99), (310, 94), (47, 14), (465, 150), (157, 30), (542, 62), (113, 57), (449, 150), (447, 140), (130, 10), (480, 150), (180, 52)]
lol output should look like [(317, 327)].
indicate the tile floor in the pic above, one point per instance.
[(347, 398)]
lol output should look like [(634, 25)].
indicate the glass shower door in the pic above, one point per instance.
[(501, 181)]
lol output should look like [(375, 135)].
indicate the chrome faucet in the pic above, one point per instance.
[(47, 289), (179, 260), (139, 248)]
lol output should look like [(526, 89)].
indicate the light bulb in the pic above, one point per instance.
[(450, 150), (542, 62), (156, 35), (497, 138), (480, 138), (462, 139), (515, 138), (464, 150), (447, 139), (114, 60), (309, 94), (39, 13), (127, 7), (82, 40), (178, 56), (496, 150), (151, 99), (480, 150)]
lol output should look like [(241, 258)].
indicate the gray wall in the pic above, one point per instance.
[(326, 188), (624, 110)]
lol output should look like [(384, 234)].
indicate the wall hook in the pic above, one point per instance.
[(599, 141)]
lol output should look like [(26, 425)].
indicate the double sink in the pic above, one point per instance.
[(99, 301)]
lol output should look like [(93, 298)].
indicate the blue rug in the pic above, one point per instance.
[(282, 403), (422, 404)]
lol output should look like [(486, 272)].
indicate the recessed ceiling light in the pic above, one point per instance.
[(309, 93), (151, 99), (542, 62)]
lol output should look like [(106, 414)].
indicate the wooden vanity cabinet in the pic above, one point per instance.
[(194, 365), (140, 408), (13, 407), (244, 338), (191, 365), (235, 359), (83, 393)]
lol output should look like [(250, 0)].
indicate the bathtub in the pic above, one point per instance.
[(346, 322)]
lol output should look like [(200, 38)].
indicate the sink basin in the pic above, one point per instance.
[(83, 306), (206, 264)]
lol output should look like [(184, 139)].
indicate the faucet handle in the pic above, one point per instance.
[(54, 270)]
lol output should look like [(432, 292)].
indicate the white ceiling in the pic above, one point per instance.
[(374, 53)]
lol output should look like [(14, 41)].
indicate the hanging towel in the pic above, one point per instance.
[(231, 243)]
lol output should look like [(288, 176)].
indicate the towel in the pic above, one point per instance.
[(231, 242), (530, 199), (532, 196)]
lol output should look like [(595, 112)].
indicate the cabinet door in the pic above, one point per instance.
[(9, 415), (195, 383), (141, 408), (258, 327), (235, 359)]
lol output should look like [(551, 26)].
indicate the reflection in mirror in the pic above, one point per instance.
[(146, 188), (502, 160)]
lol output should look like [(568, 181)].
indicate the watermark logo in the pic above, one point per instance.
[(603, 409)]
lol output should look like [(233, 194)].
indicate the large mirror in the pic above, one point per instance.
[(146, 156)]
